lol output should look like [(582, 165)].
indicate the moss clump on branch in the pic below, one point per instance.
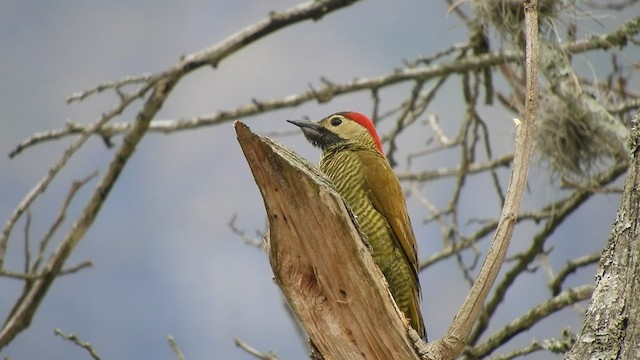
[(507, 16), (570, 139)]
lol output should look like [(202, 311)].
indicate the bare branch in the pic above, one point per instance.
[(70, 128), (241, 233), (175, 348), (553, 345), (472, 306), (41, 187), (531, 348), (252, 351), (76, 340), (530, 318), (25, 308), (259, 107), (113, 84), (75, 268), (59, 219), (27, 247), (618, 37), (30, 276), (555, 284), (611, 100), (161, 85), (562, 210)]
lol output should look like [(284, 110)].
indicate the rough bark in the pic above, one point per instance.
[(612, 326)]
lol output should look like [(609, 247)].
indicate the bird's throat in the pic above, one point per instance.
[(321, 137)]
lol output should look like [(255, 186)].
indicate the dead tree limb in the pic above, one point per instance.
[(320, 261)]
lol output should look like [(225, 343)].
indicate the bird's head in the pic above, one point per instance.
[(340, 129)]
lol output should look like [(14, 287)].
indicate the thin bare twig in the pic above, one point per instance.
[(27, 247), (60, 218), (555, 284), (112, 84), (76, 340), (242, 234), (530, 318), (175, 348), (30, 276), (269, 355), (617, 37), (161, 86), (531, 348), (75, 268), (26, 307), (42, 185), (472, 306), (561, 210)]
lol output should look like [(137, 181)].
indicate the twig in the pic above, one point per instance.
[(60, 218), (557, 210), (531, 348), (411, 110), (553, 345), (466, 156), (75, 268), (241, 233), (26, 307), (472, 306), (19, 275), (27, 250), (618, 37), (42, 185), (161, 85), (30, 276), (489, 153), (70, 128), (113, 84), (76, 340), (256, 107), (530, 318), (405, 119), (175, 348), (561, 210), (269, 355), (472, 168), (555, 284)]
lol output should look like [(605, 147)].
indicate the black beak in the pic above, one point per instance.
[(309, 128), (316, 133), (304, 124)]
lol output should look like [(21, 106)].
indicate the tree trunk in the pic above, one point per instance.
[(612, 326)]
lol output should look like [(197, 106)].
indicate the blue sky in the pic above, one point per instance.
[(165, 261)]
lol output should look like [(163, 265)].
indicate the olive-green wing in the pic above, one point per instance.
[(388, 199)]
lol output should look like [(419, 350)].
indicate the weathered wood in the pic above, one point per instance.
[(320, 261)]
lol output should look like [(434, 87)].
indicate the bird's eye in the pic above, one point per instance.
[(336, 121)]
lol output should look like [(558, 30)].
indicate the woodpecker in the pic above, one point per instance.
[(353, 158)]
